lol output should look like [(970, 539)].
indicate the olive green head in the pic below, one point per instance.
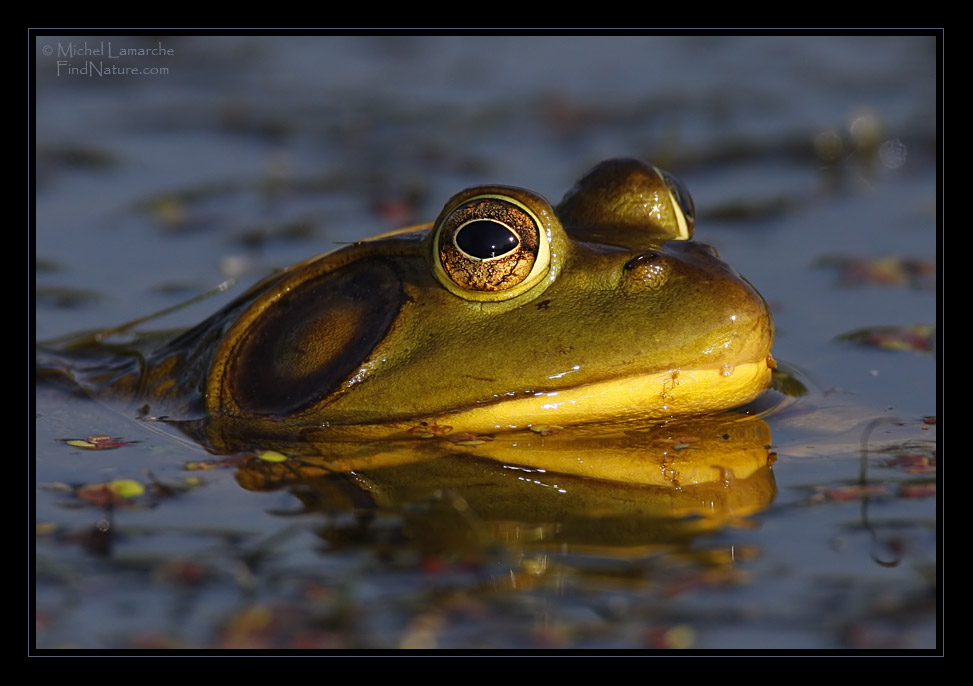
[(505, 312)]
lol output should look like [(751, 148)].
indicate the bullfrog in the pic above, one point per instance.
[(506, 312)]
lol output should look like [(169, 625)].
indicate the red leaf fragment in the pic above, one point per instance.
[(914, 463), (923, 490), (119, 492), (184, 573), (845, 493)]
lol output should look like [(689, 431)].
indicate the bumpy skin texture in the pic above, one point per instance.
[(620, 316)]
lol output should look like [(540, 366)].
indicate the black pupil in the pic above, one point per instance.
[(486, 239)]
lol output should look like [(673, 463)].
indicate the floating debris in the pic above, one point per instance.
[(426, 430), (64, 297), (918, 338), (911, 272), (271, 456), (546, 429), (97, 442), (847, 492), (117, 492)]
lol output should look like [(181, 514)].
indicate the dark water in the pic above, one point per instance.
[(240, 155)]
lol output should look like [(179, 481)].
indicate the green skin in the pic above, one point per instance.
[(377, 334)]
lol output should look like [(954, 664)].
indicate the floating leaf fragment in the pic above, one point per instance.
[(788, 382), (222, 463), (849, 492), (468, 439), (98, 442), (58, 487), (679, 637), (300, 229), (184, 210), (911, 272), (913, 457), (426, 430), (65, 297), (45, 528), (183, 572), (752, 209), (162, 489), (546, 429), (126, 488), (71, 155), (918, 490), (918, 338), (248, 628), (111, 492), (43, 264), (914, 464)]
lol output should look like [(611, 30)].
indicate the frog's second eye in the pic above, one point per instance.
[(683, 204), (490, 247)]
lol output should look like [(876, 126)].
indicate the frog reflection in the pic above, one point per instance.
[(621, 493)]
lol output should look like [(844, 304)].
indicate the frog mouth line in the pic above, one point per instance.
[(655, 397)]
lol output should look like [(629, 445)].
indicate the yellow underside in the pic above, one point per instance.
[(654, 397)]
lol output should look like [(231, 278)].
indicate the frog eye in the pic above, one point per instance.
[(485, 239), (490, 247), (683, 205)]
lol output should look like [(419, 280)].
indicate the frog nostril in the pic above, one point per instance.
[(643, 260), (646, 271)]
